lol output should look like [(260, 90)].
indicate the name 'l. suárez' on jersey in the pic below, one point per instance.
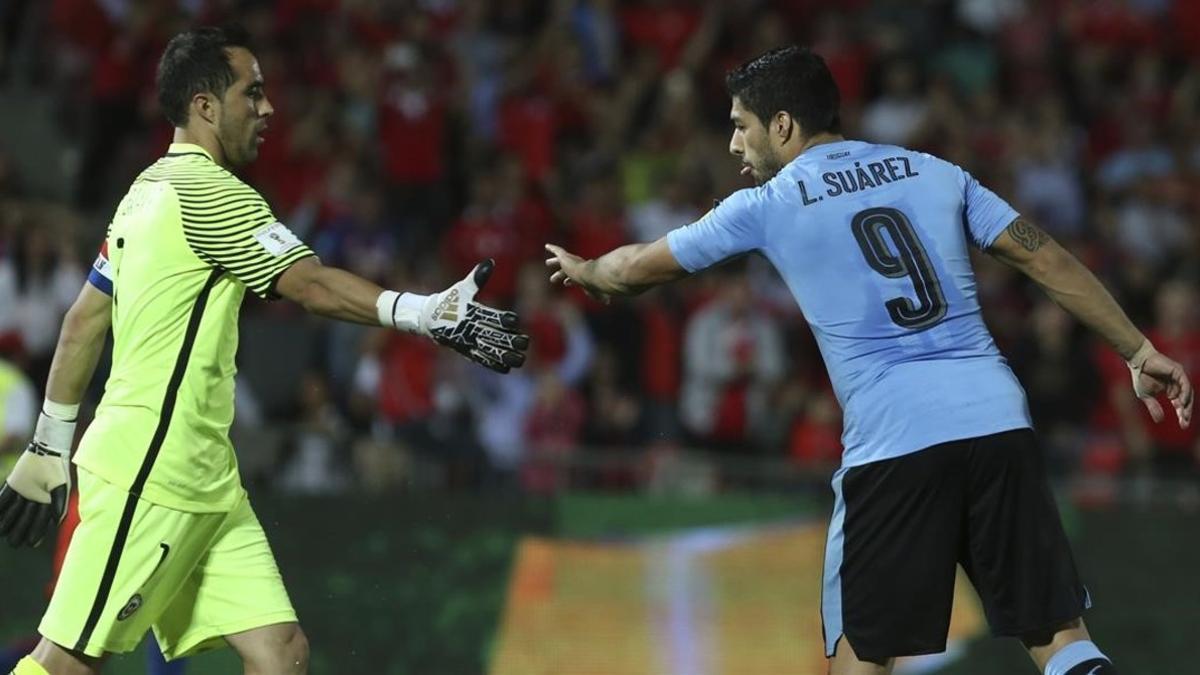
[(874, 174)]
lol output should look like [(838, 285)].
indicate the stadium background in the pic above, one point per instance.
[(648, 494)]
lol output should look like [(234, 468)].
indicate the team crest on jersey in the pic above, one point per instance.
[(134, 604)]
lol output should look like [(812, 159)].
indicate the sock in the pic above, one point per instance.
[(27, 666), (1080, 658)]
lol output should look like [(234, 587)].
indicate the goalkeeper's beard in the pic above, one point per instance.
[(239, 146)]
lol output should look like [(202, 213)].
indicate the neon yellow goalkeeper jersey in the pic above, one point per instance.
[(186, 242)]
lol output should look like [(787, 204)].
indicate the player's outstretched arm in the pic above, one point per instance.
[(451, 318), (34, 496), (627, 270), (1069, 283)]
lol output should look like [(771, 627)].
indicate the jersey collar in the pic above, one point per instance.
[(177, 149)]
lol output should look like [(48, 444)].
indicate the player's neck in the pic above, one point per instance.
[(818, 139), (206, 141)]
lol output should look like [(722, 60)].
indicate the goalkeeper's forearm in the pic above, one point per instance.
[(330, 292), (338, 294), (80, 343)]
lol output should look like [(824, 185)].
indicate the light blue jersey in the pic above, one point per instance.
[(873, 241)]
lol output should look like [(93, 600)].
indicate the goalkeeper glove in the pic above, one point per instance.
[(35, 493), (452, 318)]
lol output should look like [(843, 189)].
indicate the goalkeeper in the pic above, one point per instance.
[(168, 540)]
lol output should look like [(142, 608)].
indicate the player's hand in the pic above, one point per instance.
[(567, 269), (1153, 374), (35, 494), (483, 334)]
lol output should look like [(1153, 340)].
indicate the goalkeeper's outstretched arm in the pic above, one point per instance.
[(1073, 287), (451, 318)]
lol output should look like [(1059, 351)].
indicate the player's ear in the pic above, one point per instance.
[(204, 104), (783, 126)]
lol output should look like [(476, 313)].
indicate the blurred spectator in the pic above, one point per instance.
[(489, 228), (552, 430), (988, 16), (313, 462), (40, 276), (598, 223), (514, 411), (1140, 157), (596, 25), (18, 414), (733, 355), (815, 441), (364, 239), (1047, 186), (900, 110), (1059, 377), (674, 205)]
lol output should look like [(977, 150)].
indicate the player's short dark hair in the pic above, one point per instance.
[(196, 61), (792, 79)]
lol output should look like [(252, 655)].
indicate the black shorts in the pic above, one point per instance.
[(900, 526)]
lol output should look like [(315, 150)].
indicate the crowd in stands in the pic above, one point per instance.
[(412, 138)]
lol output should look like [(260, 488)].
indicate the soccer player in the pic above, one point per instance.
[(941, 466), (167, 539)]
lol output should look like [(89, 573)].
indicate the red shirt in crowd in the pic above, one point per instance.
[(412, 135), (1166, 435), (406, 383), (664, 29)]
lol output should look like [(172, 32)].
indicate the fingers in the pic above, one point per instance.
[(1156, 411), (497, 327), (483, 359), (506, 357), (8, 497), (492, 316), (11, 517), (23, 528), (41, 527), (480, 275), (58, 501), (503, 339), (555, 263), (1183, 401)]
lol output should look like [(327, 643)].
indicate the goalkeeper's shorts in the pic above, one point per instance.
[(191, 577)]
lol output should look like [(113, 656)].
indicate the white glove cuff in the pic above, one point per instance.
[(401, 311), (56, 425)]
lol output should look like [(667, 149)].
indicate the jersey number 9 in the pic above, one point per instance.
[(909, 259)]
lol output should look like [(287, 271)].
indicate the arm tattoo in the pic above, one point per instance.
[(1027, 234)]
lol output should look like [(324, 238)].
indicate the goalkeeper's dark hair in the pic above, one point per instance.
[(792, 79), (196, 61)]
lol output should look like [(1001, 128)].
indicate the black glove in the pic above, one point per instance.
[(35, 494), (452, 318)]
